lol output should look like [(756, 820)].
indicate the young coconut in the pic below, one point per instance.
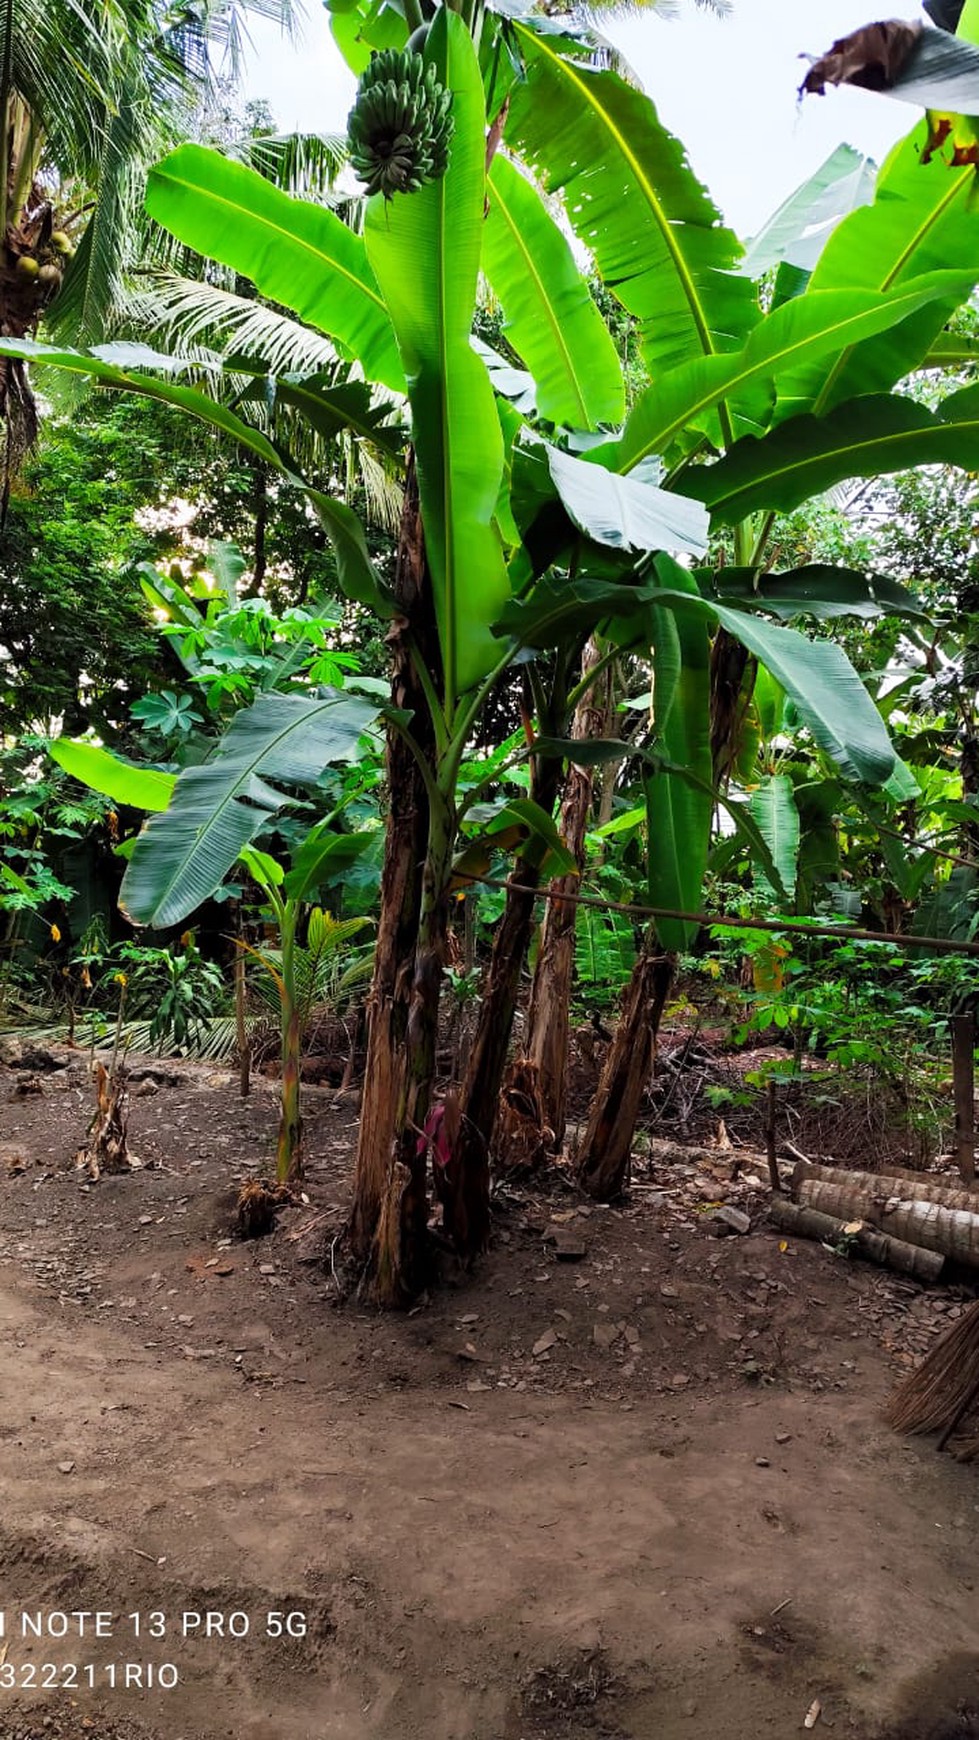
[(27, 267), (61, 243), (50, 277)]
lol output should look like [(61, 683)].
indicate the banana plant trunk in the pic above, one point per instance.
[(549, 1013), (603, 1163), (402, 1246), (405, 847), (465, 1210)]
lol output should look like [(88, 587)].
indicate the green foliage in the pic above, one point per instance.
[(330, 969), (605, 953), (175, 989), (219, 808), (75, 639)]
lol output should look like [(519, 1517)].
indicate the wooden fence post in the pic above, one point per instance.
[(963, 1080), (771, 1143)]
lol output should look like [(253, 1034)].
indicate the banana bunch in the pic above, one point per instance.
[(400, 125)]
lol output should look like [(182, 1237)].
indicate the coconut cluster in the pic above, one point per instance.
[(46, 267), (400, 126)]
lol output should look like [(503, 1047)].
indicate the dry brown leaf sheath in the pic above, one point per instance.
[(872, 57)]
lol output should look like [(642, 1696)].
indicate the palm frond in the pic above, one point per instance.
[(181, 313), (383, 489), (305, 165)]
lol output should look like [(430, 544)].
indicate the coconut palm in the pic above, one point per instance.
[(91, 92)]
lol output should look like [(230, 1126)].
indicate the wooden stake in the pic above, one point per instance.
[(770, 1142), (963, 1078), (244, 1049)]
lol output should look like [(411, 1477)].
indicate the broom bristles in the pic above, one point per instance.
[(932, 1398)]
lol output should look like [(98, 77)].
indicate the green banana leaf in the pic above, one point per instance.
[(808, 455), (924, 218), (424, 250), (142, 788), (183, 855), (563, 610), (817, 589), (816, 675), (323, 857), (585, 751), (820, 323), (796, 233), (773, 807), (818, 803), (551, 319), (356, 574), (632, 200), (626, 513), (296, 253), (360, 27)]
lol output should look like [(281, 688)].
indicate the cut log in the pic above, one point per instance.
[(952, 1231), (880, 1248), (910, 1187)]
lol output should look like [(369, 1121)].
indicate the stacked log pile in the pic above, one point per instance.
[(908, 1222)]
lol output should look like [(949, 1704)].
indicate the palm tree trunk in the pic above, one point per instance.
[(603, 1165)]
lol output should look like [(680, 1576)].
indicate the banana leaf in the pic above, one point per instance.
[(141, 788), (425, 253), (796, 233), (816, 675), (183, 855), (679, 811), (296, 253), (822, 323), (808, 455), (632, 200), (817, 589), (627, 513), (924, 218), (773, 807), (550, 317)]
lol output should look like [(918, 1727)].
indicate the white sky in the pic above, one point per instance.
[(727, 87)]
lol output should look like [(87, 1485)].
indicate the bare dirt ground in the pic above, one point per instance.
[(643, 1493)]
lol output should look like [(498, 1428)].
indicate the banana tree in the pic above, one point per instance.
[(531, 520)]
